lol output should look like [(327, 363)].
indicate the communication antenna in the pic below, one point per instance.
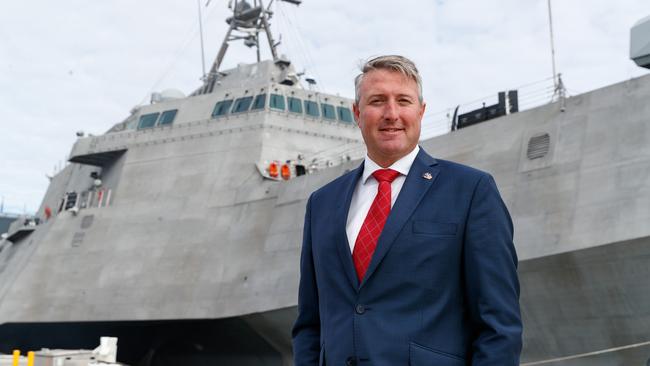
[(550, 27), (559, 90), (198, 3)]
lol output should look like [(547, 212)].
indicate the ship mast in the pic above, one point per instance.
[(245, 24)]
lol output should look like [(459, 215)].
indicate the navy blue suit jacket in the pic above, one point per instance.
[(441, 288)]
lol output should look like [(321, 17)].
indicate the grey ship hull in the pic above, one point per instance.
[(588, 300), (582, 220), (216, 241)]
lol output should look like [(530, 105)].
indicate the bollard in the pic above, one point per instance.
[(30, 358), (16, 357)]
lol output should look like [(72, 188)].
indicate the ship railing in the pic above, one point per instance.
[(530, 95)]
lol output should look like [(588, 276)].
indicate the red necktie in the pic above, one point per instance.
[(374, 223)]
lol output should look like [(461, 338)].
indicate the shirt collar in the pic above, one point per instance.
[(403, 165)]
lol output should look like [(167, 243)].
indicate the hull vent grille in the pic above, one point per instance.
[(538, 146)]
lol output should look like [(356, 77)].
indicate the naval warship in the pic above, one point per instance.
[(179, 229)]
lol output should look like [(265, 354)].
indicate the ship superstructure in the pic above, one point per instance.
[(171, 222)]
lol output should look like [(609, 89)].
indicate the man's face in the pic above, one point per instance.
[(389, 115)]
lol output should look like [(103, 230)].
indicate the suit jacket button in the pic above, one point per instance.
[(360, 309), (350, 362)]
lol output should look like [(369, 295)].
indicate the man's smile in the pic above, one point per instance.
[(391, 129)]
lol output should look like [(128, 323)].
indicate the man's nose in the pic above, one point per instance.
[(391, 111)]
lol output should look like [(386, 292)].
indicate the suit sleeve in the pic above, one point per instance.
[(306, 330), (491, 283)]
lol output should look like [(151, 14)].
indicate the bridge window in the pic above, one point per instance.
[(260, 102), (242, 104), (167, 117), (328, 111), (277, 101), (222, 108), (311, 108), (295, 105), (344, 114), (148, 120)]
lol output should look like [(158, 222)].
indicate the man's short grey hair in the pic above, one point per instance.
[(395, 63)]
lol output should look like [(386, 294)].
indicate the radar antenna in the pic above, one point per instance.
[(246, 23)]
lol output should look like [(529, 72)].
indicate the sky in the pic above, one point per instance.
[(74, 65)]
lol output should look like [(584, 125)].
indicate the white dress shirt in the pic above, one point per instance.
[(366, 190)]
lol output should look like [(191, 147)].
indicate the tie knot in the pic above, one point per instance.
[(385, 175)]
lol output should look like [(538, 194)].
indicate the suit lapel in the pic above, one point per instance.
[(340, 223), (415, 187)]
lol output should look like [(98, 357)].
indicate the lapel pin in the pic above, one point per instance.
[(427, 175)]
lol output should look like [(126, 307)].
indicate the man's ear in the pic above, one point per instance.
[(355, 111)]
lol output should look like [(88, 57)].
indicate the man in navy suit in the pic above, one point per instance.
[(406, 260)]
